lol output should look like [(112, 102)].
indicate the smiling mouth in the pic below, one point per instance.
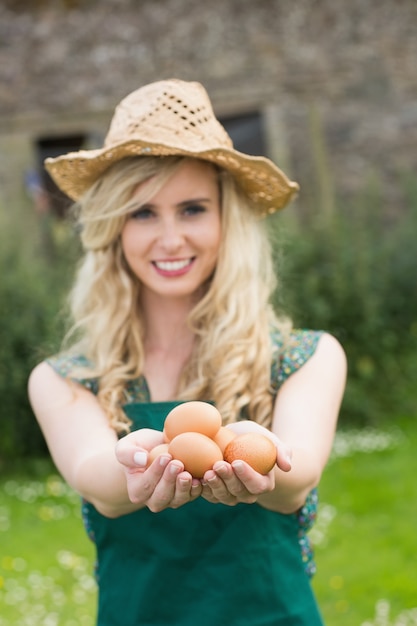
[(173, 266)]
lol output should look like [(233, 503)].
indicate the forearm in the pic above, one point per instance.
[(100, 479), (292, 488)]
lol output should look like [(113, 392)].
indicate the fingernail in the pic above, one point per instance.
[(140, 458), (237, 465), (164, 460), (221, 468)]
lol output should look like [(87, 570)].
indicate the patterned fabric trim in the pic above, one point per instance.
[(288, 359)]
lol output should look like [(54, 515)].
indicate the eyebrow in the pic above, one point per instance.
[(183, 203), (194, 200)]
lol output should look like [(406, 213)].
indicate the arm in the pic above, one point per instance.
[(305, 418), (82, 445)]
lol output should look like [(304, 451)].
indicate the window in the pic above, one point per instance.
[(246, 132)]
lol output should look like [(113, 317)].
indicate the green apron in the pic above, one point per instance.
[(199, 565)]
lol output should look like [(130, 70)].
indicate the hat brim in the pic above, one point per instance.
[(266, 185)]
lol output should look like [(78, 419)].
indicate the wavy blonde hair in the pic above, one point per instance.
[(231, 358)]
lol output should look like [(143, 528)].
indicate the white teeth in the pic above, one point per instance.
[(172, 266)]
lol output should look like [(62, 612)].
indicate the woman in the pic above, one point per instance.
[(170, 304)]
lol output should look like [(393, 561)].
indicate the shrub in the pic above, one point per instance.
[(33, 283), (353, 273)]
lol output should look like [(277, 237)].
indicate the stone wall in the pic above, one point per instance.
[(335, 80)]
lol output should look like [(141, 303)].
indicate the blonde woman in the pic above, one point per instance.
[(171, 303)]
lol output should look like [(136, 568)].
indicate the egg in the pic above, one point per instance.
[(194, 416), (162, 448), (197, 451), (255, 449), (223, 437)]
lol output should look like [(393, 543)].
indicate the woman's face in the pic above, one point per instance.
[(171, 243)]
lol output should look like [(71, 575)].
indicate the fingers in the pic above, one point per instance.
[(132, 450), (158, 485), (175, 488), (284, 457), (238, 482), (221, 485)]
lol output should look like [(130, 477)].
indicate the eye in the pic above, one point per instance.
[(194, 209), (143, 213)]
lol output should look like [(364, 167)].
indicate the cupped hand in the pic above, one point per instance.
[(233, 483), (162, 484)]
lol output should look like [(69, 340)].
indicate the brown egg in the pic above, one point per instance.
[(195, 416), (162, 448), (223, 437), (196, 451), (254, 448)]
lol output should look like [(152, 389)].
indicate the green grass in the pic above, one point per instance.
[(365, 539), (46, 560), (366, 553)]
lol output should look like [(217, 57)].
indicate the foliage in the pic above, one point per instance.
[(352, 272), (34, 277)]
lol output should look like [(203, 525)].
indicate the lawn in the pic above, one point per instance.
[(366, 543), (365, 538)]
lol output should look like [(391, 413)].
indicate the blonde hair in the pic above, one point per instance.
[(233, 318)]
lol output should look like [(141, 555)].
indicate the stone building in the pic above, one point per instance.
[(327, 88)]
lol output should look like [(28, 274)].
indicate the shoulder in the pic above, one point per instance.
[(46, 387), (330, 346), (299, 347), (74, 367), (62, 369)]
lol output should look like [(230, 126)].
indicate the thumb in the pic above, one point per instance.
[(284, 457), (132, 450)]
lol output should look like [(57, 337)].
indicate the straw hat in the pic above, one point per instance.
[(172, 117)]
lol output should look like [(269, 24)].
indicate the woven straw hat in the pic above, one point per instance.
[(172, 117)]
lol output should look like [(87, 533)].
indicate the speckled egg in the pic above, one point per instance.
[(255, 449)]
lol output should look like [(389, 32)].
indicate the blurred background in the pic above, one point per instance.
[(328, 90)]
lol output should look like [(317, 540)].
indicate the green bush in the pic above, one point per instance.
[(34, 279), (352, 272)]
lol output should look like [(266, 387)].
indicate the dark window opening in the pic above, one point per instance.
[(246, 132), (58, 201)]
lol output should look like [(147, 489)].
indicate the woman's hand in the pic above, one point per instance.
[(162, 484), (234, 483)]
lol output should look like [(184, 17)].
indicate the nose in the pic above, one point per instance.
[(171, 236)]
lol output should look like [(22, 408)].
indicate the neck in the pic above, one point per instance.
[(166, 326), (168, 345)]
